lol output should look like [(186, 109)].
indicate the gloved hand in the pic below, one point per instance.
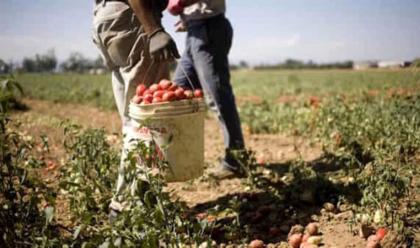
[(175, 7), (180, 26), (162, 47)]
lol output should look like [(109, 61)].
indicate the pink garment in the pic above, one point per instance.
[(175, 7)]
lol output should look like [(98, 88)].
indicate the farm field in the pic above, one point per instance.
[(271, 85), (334, 147)]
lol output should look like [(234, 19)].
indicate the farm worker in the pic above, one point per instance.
[(205, 61), (136, 48)]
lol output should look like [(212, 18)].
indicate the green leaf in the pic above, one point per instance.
[(49, 214), (118, 242), (104, 244), (77, 231)]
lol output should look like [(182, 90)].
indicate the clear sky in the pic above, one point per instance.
[(266, 31)]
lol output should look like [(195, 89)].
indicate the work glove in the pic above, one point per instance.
[(180, 26), (162, 47), (175, 7)]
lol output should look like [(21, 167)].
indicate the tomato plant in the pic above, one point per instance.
[(151, 218), (27, 204)]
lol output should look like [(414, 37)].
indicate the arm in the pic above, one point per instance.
[(161, 45), (175, 7), (146, 13)]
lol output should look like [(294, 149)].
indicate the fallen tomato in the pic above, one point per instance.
[(305, 238), (381, 232), (211, 218), (312, 228), (295, 240), (373, 242), (256, 244), (201, 216)]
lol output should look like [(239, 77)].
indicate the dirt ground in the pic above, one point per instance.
[(45, 118)]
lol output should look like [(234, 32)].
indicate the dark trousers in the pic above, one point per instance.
[(205, 61)]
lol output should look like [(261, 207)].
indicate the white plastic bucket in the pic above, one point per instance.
[(177, 128)]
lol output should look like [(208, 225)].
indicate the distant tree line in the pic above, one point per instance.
[(48, 62), (5, 68), (291, 64), (40, 63), (76, 62)]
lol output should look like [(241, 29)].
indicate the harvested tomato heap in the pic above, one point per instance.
[(164, 91)]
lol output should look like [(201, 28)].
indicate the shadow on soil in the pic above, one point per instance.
[(18, 106), (269, 214)]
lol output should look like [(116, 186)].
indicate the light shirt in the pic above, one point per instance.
[(204, 9)]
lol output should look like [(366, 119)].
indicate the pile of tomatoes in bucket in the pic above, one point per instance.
[(164, 91)]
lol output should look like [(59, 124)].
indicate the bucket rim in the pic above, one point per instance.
[(178, 102), (166, 116)]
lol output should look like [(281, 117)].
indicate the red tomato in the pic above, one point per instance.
[(147, 92), (256, 244), (381, 232), (169, 96), (159, 93), (198, 93), (165, 84), (154, 87), (188, 94), (156, 99), (137, 99), (140, 89), (201, 216), (145, 102), (312, 228), (173, 87), (179, 93), (148, 98), (295, 240)]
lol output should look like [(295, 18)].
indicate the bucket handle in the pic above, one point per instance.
[(196, 106), (143, 81), (185, 74)]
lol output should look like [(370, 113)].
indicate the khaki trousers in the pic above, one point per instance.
[(123, 45)]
